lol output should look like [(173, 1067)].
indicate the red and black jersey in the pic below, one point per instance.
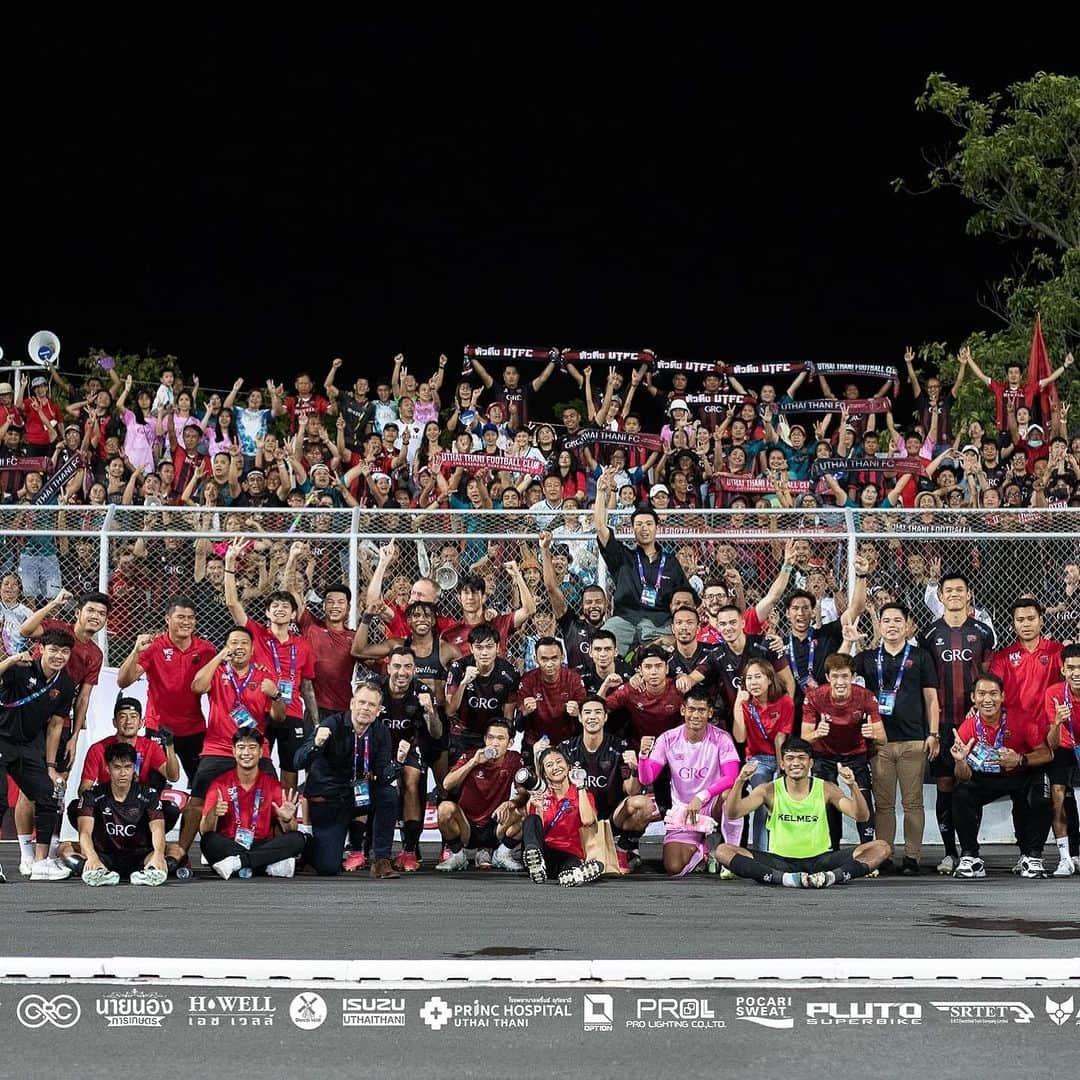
[(649, 714), (550, 717), (723, 667), (487, 786), (484, 699), (121, 828), (960, 653)]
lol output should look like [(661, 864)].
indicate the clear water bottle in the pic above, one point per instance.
[(245, 873), (184, 873)]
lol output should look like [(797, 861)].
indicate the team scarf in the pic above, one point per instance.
[(718, 399), (13, 463), (478, 462), (562, 357), (55, 484), (857, 407), (603, 437), (760, 484), (824, 466), (875, 371)]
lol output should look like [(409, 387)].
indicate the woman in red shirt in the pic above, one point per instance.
[(557, 813), (43, 419), (764, 718)]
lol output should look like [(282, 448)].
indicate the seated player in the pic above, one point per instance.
[(799, 854)]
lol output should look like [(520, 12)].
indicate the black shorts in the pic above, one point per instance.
[(125, 863), (188, 749), (1062, 770), (211, 766), (288, 736), (464, 744), (944, 765), (483, 836), (827, 860)]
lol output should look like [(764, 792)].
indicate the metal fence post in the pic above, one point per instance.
[(103, 574), (852, 549), (354, 569)]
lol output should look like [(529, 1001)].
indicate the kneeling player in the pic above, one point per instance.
[(799, 843), (121, 826)]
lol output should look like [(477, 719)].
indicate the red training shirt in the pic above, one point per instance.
[(223, 699), (268, 649), (170, 670), (486, 786), (331, 652), (777, 716), (1026, 676), (148, 758), (550, 717), (228, 784), (847, 718)]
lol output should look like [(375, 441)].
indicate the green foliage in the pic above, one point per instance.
[(1017, 161), (145, 371)]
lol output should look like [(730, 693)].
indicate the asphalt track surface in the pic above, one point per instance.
[(247, 1023), (490, 915)]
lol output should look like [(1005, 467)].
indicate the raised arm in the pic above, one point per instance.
[(232, 599)]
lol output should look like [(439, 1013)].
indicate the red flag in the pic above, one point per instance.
[(1039, 369)]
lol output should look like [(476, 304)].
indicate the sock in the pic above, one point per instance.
[(1072, 822), (454, 845), (746, 867), (1063, 848), (851, 869), (26, 846), (357, 833), (410, 835), (945, 822), (54, 843)]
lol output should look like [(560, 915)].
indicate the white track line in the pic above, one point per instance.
[(405, 973)]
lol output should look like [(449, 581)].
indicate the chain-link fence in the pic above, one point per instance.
[(141, 556)]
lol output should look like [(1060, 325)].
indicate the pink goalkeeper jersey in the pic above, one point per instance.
[(709, 765)]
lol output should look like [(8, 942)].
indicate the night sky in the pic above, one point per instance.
[(259, 199)]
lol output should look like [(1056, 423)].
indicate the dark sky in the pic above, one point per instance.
[(255, 198)]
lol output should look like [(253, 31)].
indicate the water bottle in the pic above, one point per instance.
[(245, 873), (713, 866), (184, 873)]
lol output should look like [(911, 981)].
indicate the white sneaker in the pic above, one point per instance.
[(281, 868), (588, 871), (505, 860), (822, 879), (537, 867), (1032, 868), (150, 875), (947, 866), (100, 876), (49, 870), (1018, 866), (458, 860), (228, 866), (26, 867), (970, 866), (1064, 868)]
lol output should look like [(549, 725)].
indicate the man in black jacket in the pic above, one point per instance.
[(352, 772)]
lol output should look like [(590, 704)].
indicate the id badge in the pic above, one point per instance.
[(984, 759), (360, 793), (808, 682), (285, 687), (245, 838), (648, 597), (886, 703), (242, 718)]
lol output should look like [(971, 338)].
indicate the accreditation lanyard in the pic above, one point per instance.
[(999, 738), (802, 680), (649, 596), (272, 642), (234, 795), (26, 699), (239, 687), (757, 720), (899, 671), (564, 808), (356, 757)]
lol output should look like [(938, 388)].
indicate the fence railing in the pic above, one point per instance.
[(142, 555)]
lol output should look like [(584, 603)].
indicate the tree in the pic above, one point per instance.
[(1016, 159)]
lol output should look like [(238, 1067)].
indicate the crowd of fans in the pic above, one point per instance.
[(564, 693)]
